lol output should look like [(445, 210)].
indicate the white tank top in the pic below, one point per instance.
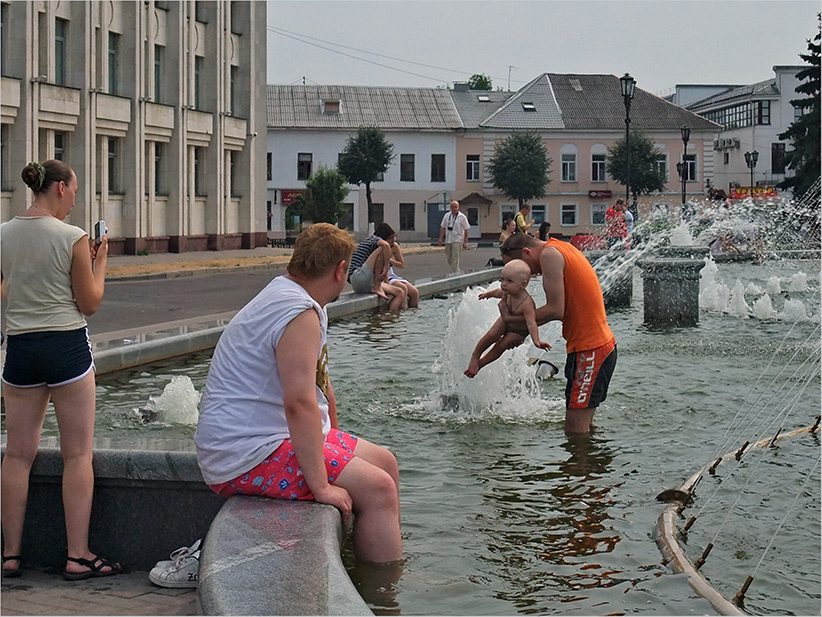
[(242, 415)]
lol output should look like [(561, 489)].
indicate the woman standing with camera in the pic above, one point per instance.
[(51, 278)]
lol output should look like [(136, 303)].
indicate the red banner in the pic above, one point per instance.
[(289, 196), (759, 192)]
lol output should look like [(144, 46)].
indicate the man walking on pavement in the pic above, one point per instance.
[(454, 230)]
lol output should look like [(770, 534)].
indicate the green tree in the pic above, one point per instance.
[(520, 166), (366, 155), (804, 131), (645, 176), (479, 81), (322, 201)]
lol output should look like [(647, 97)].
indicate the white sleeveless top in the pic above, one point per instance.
[(35, 256), (242, 415)]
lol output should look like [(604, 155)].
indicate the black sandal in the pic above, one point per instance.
[(95, 570), (15, 573)]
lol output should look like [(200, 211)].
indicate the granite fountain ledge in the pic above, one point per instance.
[(115, 355), (272, 557)]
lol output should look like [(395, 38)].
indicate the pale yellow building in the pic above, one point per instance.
[(158, 106)]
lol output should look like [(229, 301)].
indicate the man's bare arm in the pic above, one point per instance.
[(297, 353), (553, 284)]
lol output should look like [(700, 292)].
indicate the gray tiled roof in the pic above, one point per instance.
[(574, 101), (472, 110), (595, 102), (546, 113), (742, 93), (387, 108)]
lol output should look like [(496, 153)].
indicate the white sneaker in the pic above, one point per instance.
[(180, 552), (181, 572)]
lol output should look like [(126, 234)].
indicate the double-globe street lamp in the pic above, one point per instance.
[(627, 85), (750, 160)]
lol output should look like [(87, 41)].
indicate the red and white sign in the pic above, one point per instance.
[(288, 197), (599, 194), (759, 192)]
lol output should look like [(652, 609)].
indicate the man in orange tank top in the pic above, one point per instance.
[(572, 295)]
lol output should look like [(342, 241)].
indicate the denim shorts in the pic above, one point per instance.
[(50, 358), (361, 279)]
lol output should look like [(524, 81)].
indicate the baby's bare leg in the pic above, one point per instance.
[(495, 332), (508, 341)]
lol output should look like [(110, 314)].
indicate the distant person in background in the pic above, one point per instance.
[(508, 227), (616, 228), (53, 278), (544, 230), (454, 235), (629, 220), (523, 219), (368, 271), (385, 232)]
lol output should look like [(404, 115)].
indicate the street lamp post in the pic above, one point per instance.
[(686, 135), (750, 159), (627, 85)]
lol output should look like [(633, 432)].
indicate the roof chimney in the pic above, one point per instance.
[(461, 86)]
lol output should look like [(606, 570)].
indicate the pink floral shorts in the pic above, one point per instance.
[(279, 475)]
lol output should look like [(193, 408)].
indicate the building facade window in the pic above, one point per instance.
[(233, 186), (113, 165), (60, 51), (5, 159), (569, 167), (113, 62), (726, 158), (762, 112), (199, 171), (268, 166), (472, 167), (598, 214), (198, 70), (407, 217), (199, 11), (690, 167), (159, 166), (4, 36), (304, 161), (406, 167), (232, 103), (158, 73), (376, 213), (346, 220), (60, 145), (661, 166), (778, 158), (568, 215), (437, 168), (538, 214), (597, 168)]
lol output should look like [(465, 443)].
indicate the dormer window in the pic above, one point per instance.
[(529, 107), (483, 98), (331, 106)]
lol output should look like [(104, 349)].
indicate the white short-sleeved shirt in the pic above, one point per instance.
[(242, 414), (459, 225)]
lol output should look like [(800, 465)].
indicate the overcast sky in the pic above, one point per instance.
[(437, 42)]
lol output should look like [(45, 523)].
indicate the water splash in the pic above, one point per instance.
[(773, 286), (177, 404), (799, 282), (681, 235), (763, 308), (507, 389), (794, 310), (737, 305)]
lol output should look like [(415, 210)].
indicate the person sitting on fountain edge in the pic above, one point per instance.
[(572, 295), (515, 301), (268, 416)]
